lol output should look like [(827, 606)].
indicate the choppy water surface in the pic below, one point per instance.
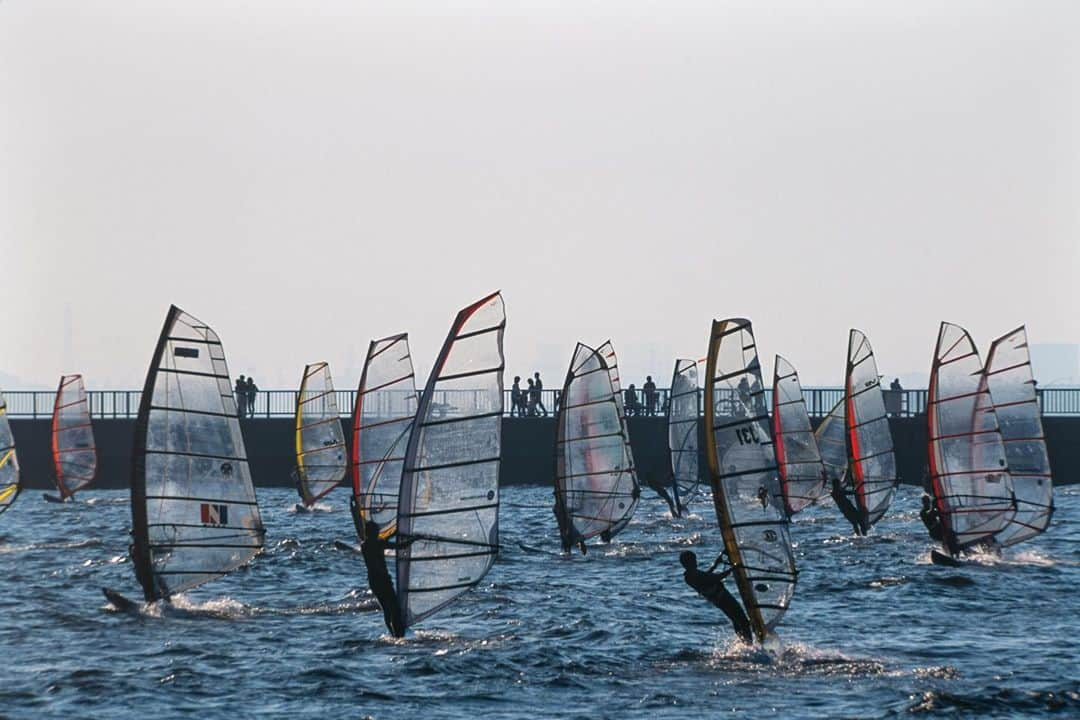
[(875, 630)]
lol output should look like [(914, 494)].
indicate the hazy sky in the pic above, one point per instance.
[(306, 176)]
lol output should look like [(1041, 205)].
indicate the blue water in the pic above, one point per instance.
[(875, 630)]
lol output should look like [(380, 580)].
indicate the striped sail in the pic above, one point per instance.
[(320, 438), (682, 424), (73, 449), (799, 464), (9, 462), (384, 411), (194, 512), (448, 505), (969, 473), (831, 437), (871, 479), (595, 491), (1012, 386), (746, 491)]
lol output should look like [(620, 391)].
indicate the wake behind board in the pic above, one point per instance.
[(53, 498), (940, 558), (538, 551), (120, 602), (348, 547)]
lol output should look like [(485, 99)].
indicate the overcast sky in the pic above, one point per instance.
[(307, 176)]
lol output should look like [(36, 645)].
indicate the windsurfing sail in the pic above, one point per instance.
[(742, 464), (799, 465), (595, 490), (320, 439), (831, 437), (969, 472), (9, 462), (682, 423), (194, 512), (871, 479), (1012, 387), (448, 505), (73, 449), (607, 352), (384, 412)]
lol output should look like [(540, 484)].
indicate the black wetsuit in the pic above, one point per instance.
[(373, 550), (711, 587), (568, 536), (847, 508), (932, 521), (662, 492)]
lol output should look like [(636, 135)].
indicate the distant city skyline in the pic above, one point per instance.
[(307, 178)]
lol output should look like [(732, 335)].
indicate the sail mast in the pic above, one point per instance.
[(73, 449), (742, 465), (320, 438)]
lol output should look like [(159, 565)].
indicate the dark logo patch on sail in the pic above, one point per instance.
[(214, 514), (761, 587), (491, 495), (770, 535), (186, 352)]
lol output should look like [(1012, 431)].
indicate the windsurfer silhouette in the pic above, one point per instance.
[(676, 510), (373, 549), (568, 535), (847, 508), (931, 519), (710, 585)]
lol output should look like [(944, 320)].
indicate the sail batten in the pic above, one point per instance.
[(746, 489), (969, 472), (448, 503), (190, 476), (320, 438), (799, 463)]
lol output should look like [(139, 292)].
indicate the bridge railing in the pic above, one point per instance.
[(282, 403)]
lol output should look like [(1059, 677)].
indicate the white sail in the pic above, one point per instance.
[(385, 407), (831, 437), (746, 490), (194, 512), (682, 422), (320, 438), (448, 506), (968, 470), (595, 491), (1012, 386), (73, 448), (9, 462), (871, 479), (802, 473)]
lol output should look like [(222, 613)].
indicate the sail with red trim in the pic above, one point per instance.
[(799, 464), (448, 504), (969, 472), (10, 482), (1012, 386), (320, 438), (384, 411), (746, 489), (871, 478), (595, 489), (831, 437), (73, 449), (682, 421), (194, 512)]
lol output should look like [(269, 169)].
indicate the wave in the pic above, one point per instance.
[(997, 702)]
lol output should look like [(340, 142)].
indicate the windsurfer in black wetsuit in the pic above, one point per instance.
[(373, 549), (931, 519), (710, 586), (847, 508), (662, 491), (568, 535)]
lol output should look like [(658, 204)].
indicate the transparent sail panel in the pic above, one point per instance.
[(73, 449), (320, 438), (198, 517), (607, 352), (683, 406), (594, 481), (1012, 386), (872, 463), (802, 474), (832, 443), (968, 469), (385, 408), (9, 463), (448, 510), (746, 490)]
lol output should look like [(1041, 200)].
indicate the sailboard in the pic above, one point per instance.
[(742, 465), (448, 503), (969, 474), (10, 483), (73, 449), (611, 360), (682, 424), (799, 464), (1012, 387), (595, 489), (320, 438), (194, 512), (871, 477), (382, 417)]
